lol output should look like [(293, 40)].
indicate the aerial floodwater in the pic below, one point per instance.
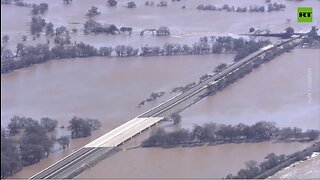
[(285, 90)]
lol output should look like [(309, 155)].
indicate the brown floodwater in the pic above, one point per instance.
[(186, 25), (197, 162), (285, 90), (98, 87), (105, 88)]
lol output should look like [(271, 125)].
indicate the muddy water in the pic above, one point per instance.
[(98, 88), (186, 25), (285, 90), (103, 88), (107, 89), (197, 162), (276, 92)]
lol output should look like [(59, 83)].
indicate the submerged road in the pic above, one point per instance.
[(106, 145)]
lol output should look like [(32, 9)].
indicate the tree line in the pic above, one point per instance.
[(25, 56), (35, 142), (272, 163), (271, 7), (220, 133), (253, 168), (153, 96), (35, 8)]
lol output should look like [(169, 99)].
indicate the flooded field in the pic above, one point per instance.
[(197, 162), (183, 30), (286, 90), (96, 88), (77, 94), (271, 102), (108, 89)]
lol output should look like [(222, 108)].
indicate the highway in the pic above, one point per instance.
[(107, 144), (158, 110)]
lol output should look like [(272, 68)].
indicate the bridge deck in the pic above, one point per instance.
[(124, 132)]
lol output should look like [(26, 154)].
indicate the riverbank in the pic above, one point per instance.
[(214, 134), (273, 163), (293, 158), (205, 162), (302, 169)]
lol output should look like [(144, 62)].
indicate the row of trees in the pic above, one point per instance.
[(215, 45), (249, 48), (35, 8), (23, 4), (253, 168), (91, 26), (19, 123), (228, 8), (28, 55), (272, 164), (153, 96), (212, 132)]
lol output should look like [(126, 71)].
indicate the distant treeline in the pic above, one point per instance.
[(25, 56), (271, 7), (220, 133)]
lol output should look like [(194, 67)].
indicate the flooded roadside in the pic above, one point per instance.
[(87, 88), (305, 169), (110, 89), (272, 94), (96, 88), (281, 91), (197, 162)]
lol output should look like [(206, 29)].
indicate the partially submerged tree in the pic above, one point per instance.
[(289, 30), (163, 31), (176, 118), (37, 24), (48, 123), (131, 5), (34, 144), (39, 9), (64, 141), (112, 3), (5, 38), (93, 12), (10, 156)]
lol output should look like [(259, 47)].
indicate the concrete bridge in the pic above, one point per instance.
[(108, 144)]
